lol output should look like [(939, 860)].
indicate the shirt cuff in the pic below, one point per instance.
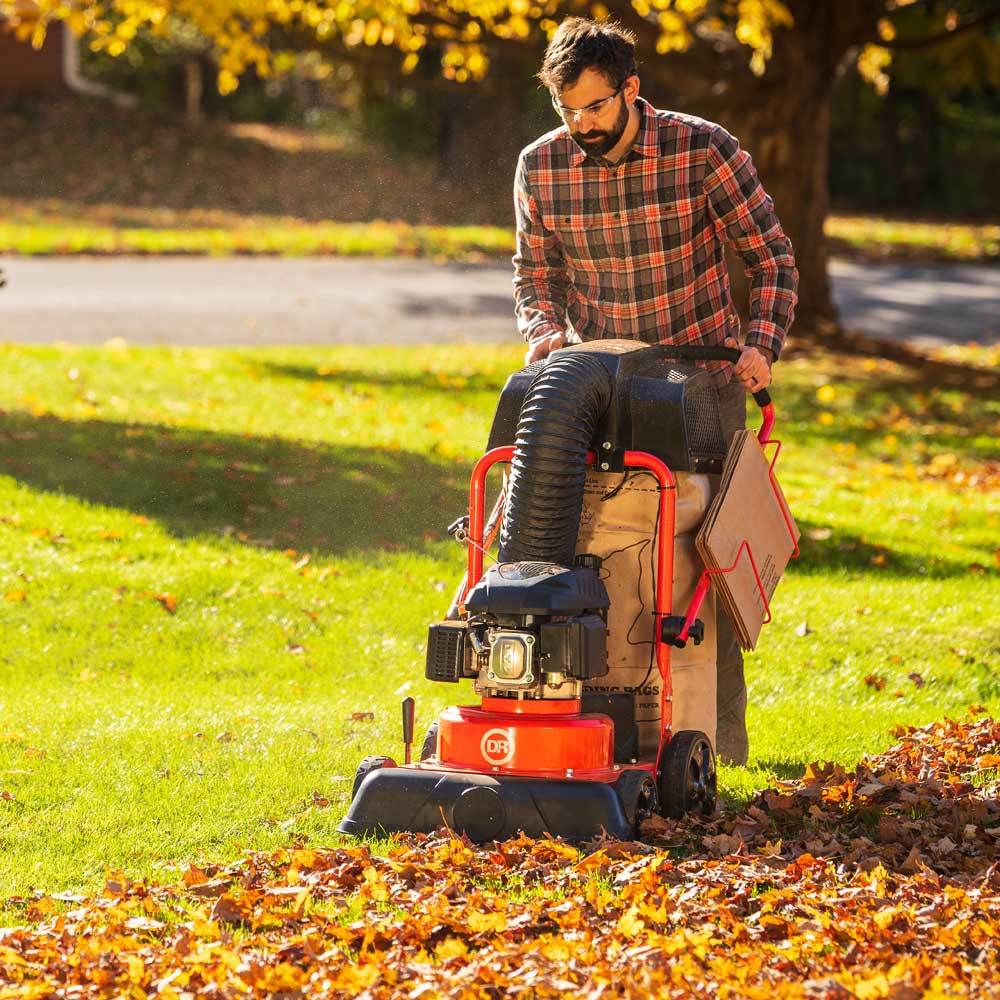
[(543, 330), (761, 333)]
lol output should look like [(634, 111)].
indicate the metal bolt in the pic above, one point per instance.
[(606, 446), (605, 466), (569, 772)]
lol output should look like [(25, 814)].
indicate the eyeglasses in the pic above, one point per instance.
[(571, 115)]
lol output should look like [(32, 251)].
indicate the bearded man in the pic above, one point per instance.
[(623, 214)]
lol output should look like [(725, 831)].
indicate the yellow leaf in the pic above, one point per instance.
[(873, 988), (451, 947), (826, 394), (630, 923), (478, 922), (555, 949), (15, 595)]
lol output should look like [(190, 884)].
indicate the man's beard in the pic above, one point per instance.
[(598, 142)]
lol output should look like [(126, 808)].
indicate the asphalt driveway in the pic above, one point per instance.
[(259, 300)]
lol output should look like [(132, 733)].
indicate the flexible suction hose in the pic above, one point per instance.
[(554, 433)]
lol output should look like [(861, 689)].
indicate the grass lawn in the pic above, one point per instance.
[(52, 226), (216, 563)]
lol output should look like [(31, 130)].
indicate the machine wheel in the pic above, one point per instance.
[(366, 767), (430, 747), (687, 781), (637, 792)]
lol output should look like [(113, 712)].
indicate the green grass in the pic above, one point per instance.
[(897, 239), (138, 738), (53, 226)]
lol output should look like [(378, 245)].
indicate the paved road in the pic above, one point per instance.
[(343, 300)]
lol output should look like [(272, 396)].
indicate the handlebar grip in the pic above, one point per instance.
[(694, 352), (700, 352)]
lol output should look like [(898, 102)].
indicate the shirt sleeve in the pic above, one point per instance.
[(540, 279), (744, 212)]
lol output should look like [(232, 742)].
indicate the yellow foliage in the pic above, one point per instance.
[(872, 64), (239, 31)]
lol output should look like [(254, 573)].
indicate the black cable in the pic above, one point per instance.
[(651, 642), (652, 569)]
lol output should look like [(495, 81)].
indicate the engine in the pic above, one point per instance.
[(533, 630)]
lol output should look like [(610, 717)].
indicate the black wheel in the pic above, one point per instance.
[(637, 792), (687, 781), (430, 747), (366, 767)]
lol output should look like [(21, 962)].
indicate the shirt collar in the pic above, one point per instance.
[(647, 139)]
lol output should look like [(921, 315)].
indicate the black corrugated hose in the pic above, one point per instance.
[(554, 433)]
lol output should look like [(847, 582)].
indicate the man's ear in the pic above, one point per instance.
[(631, 89)]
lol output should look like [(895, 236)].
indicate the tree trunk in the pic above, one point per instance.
[(790, 145), (781, 118), (193, 89)]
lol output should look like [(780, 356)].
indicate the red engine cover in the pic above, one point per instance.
[(525, 737)]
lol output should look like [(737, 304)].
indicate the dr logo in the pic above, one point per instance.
[(497, 747)]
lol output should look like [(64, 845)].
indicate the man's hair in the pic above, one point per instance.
[(580, 44)]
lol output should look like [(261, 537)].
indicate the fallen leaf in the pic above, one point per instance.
[(168, 602), (229, 910)]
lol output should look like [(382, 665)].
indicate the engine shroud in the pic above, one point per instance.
[(668, 409)]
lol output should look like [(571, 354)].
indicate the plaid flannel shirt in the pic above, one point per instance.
[(636, 250)]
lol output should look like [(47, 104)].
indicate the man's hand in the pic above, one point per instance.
[(543, 347), (754, 367)]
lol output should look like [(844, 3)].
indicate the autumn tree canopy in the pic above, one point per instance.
[(764, 68)]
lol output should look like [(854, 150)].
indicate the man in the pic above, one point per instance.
[(622, 218)]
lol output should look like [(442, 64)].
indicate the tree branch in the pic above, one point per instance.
[(906, 44)]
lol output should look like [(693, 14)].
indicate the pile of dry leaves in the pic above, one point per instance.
[(882, 882)]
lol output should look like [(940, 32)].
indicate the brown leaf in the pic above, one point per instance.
[(229, 910), (168, 602), (211, 889)]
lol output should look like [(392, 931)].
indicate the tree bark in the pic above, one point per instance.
[(194, 88)]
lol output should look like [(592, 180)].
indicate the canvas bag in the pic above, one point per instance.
[(617, 524)]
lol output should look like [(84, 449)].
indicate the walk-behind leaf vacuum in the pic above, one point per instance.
[(591, 642)]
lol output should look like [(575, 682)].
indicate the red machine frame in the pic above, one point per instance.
[(556, 729)]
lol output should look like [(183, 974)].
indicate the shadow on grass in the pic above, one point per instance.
[(783, 770), (264, 491), (822, 551), (425, 381), (272, 492)]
